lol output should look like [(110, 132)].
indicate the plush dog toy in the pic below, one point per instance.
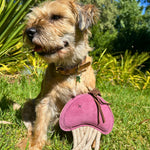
[(87, 116)]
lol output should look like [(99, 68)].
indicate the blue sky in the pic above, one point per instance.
[(144, 3)]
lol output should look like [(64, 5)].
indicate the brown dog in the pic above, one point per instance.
[(58, 32)]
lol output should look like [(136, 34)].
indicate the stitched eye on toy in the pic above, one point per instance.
[(55, 17)]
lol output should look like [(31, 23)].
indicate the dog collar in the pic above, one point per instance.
[(79, 68)]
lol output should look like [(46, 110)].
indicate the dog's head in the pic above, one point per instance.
[(57, 30)]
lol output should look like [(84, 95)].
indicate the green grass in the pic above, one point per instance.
[(130, 108)]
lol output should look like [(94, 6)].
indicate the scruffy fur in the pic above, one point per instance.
[(61, 38)]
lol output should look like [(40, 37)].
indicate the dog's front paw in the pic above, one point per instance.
[(35, 148), (36, 144), (23, 145)]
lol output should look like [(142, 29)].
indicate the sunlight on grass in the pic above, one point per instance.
[(131, 108)]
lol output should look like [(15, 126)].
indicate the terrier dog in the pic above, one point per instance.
[(58, 32)]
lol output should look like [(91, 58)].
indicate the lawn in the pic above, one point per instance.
[(131, 110)]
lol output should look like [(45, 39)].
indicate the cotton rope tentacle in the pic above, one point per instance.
[(81, 144), (89, 143), (75, 143), (83, 138), (97, 143)]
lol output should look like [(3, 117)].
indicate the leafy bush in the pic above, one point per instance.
[(123, 69), (34, 65), (12, 13), (141, 80), (101, 40)]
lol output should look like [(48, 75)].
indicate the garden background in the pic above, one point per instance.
[(121, 59)]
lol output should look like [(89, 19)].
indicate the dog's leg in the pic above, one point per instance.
[(43, 118)]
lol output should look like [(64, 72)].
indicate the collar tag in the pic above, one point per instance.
[(78, 78)]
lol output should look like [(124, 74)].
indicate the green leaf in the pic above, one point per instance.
[(15, 19), (2, 5)]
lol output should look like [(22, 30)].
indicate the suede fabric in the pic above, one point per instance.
[(82, 111)]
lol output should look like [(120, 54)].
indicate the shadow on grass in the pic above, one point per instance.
[(62, 134), (18, 114), (5, 103), (29, 115)]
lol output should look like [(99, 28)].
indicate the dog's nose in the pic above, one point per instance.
[(30, 33)]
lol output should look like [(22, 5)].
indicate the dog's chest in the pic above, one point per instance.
[(65, 89), (60, 89)]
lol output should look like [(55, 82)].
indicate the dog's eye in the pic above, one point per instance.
[(56, 17)]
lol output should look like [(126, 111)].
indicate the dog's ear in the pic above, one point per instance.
[(87, 16)]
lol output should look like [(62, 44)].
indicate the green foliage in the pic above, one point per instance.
[(101, 40), (130, 16), (147, 16), (12, 14), (123, 69), (104, 32), (133, 28), (34, 65), (141, 80), (108, 14), (134, 39), (121, 26)]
